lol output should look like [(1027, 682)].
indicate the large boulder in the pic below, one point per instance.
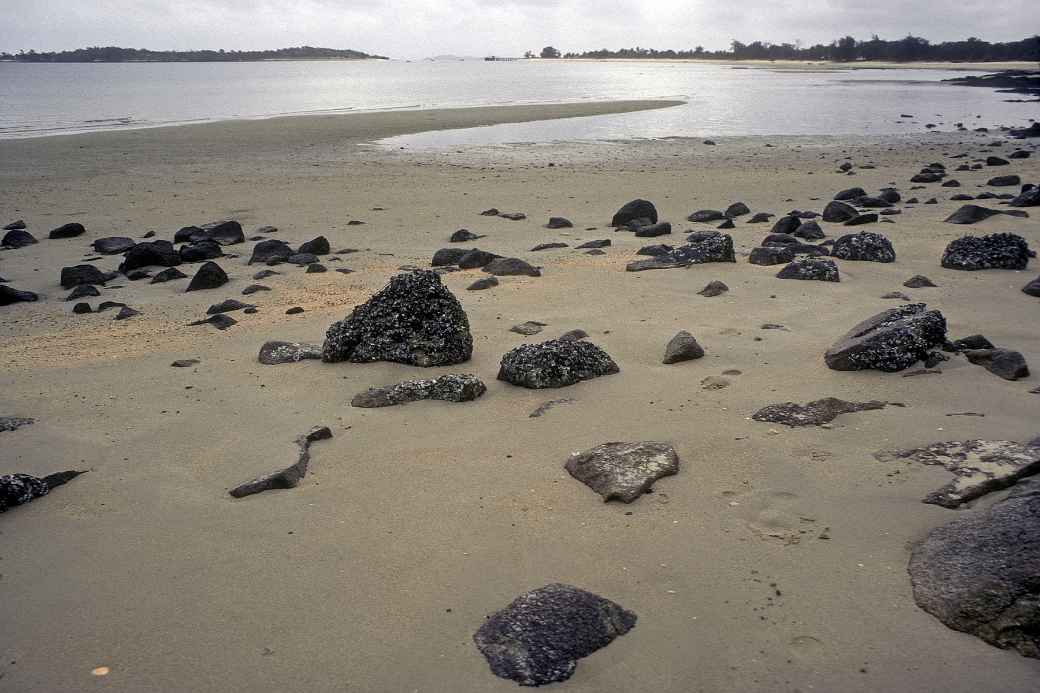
[(270, 251), (447, 388), (636, 209), (556, 363), (978, 574), (414, 319), (17, 238), (209, 276), (866, 246), (317, 246), (623, 471), (889, 341), (539, 637), (160, 253), (996, 251)]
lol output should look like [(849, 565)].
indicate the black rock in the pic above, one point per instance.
[(107, 305), (1008, 364), (726, 225), (316, 268), (636, 209), (126, 312), (539, 637), (713, 289), (851, 194), (113, 244), (961, 198), (1004, 181), (978, 573), (275, 352), (481, 284), (706, 215), (200, 251), (253, 288), (415, 319), (447, 388), (811, 268), (493, 212), (511, 266), (786, 225), (291, 476), (188, 234), (209, 276), (548, 246), (713, 247), (889, 341), (19, 489), (148, 253), (447, 256), (771, 255), (555, 364), (138, 275), (890, 195), (224, 232), (68, 231), (168, 275), (81, 308), (1032, 288), (839, 212), (15, 225), (603, 243), (737, 209), (219, 321), (513, 216), (295, 310), (573, 335), (662, 228), (559, 223), (970, 214), (81, 274), (996, 251), (779, 239), (975, 341), (682, 347), (462, 236), (951, 184), (996, 161), (862, 219), (10, 295), (760, 218), (809, 230), (17, 238), (476, 258), (318, 246), (185, 363), (865, 246), (623, 471), (269, 251), (927, 177), (264, 274), (655, 250), (226, 306), (918, 281), (1020, 154)]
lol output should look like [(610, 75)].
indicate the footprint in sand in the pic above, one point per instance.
[(807, 648), (773, 515)]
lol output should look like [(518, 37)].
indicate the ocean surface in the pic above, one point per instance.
[(723, 100)]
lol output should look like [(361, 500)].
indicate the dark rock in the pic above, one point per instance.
[(219, 321), (779, 240), (975, 341), (1020, 154), (113, 244), (839, 212), (138, 275), (603, 243), (185, 363), (253, 288), (809, 230), (889, 341), (9, 296), (226, 306), (17, 238), (851, 194), (970, 214), (271, 250), (1008, 364), (200, 251), (548, 246), (555, 364), (716, 247), (810, 268), (83, 291), (655, 250), (1004, 181), (996, 161), (225, 232), (713, 289), (528, 328), (951, 184), (126, 312), (662, 228), (190, 234), (682, 347), (513, 216), (726, 225), (862, 219), (106, 305), (546, 406), (81, 274), (978, 573), (19, 489), (927, 177), (1028, 198), (760, 218), (481, 284), (865, 246), (918, 281), (595, 251), (996, 251), (559, 223), (15, 225), (318, 246), (511, 266), (737, 209), (295, 310), (149, 253), (415, 319), (82, 308), (448, 388), (774, 255), (264, 274), (291, 476), (493, 212), (476, 258), (463, 236), (623, 471), (786, 225), (168, 275), (275, 352), (636, 209), (209, 276), (316, 268), (706, 215), (302, 259), (1032, 288), (68, 231), (539, 637), (13, 423), (890, 195), (814, 413), (447, 256)]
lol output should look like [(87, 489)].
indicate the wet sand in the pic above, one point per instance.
[(774, 561)]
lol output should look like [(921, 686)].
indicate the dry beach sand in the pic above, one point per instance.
[(774, 561)]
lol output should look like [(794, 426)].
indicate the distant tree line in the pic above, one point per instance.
[(113, 54), (846, 49)]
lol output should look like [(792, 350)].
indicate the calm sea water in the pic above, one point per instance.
[(38, 99)]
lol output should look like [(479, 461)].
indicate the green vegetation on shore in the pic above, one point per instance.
[(113, 54)]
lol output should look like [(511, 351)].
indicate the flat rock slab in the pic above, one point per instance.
[(528, 328), (623, 471), (13, 423), (814, 413), (448, 388), (556, 363), (275, 352), (291, 476), (979, 466), (971, 214), (539, 637), (542, 408), (978, 574)]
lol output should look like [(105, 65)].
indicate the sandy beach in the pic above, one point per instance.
[(775, 560)]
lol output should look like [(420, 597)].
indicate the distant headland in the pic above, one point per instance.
[(113, 54)]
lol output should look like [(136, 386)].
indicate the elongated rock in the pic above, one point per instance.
[(623, 471), (289, 477), (275, 352), (19, 489), (814, 413), (448, 388)]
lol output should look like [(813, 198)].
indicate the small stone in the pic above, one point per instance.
[(682, 347), (295, 310), (528, 328), (481, 284), (185, 363)]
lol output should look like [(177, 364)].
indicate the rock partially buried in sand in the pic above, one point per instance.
[(209, 276), (1008, 364), (971, 214), (528, 328), (168, 274), (160, 253), (889, 341), (555, 363), (221, 321), (839, 212), (814, 413), (67, 231), (811, 269), (113, 244), (559, 223), (9, 296), (682, 347), (636, 209), (19, 489), (864, 246), (623, 471), (979, 466), (291, 476), (1032, 288), (274, 352), (17, 238), (713, 289), (996, 251), (414, 319), (510, 267), (539, 637), (13, 423), (978, 574), (448, 388), (481, 284)]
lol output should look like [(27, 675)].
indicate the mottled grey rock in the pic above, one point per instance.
[(19, 489), (970, 214), (682, 347), (291, 476), (528, 328), (811, 268), (539, 637), (414, 319), (1008, 364), (865, 246), (573, 335), (636, 209), (713, 289), (448, 388), (996, 251), (979, 466), (814, 413), (978, 574), (918, 281), (889, 341), (771, 255), (555, 364), (463, 236), (623, 471), (209, 276), (13, 423)]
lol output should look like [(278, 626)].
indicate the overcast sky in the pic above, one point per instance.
[(421, 28)]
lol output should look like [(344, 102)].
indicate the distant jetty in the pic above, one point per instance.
[(114, 54)]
